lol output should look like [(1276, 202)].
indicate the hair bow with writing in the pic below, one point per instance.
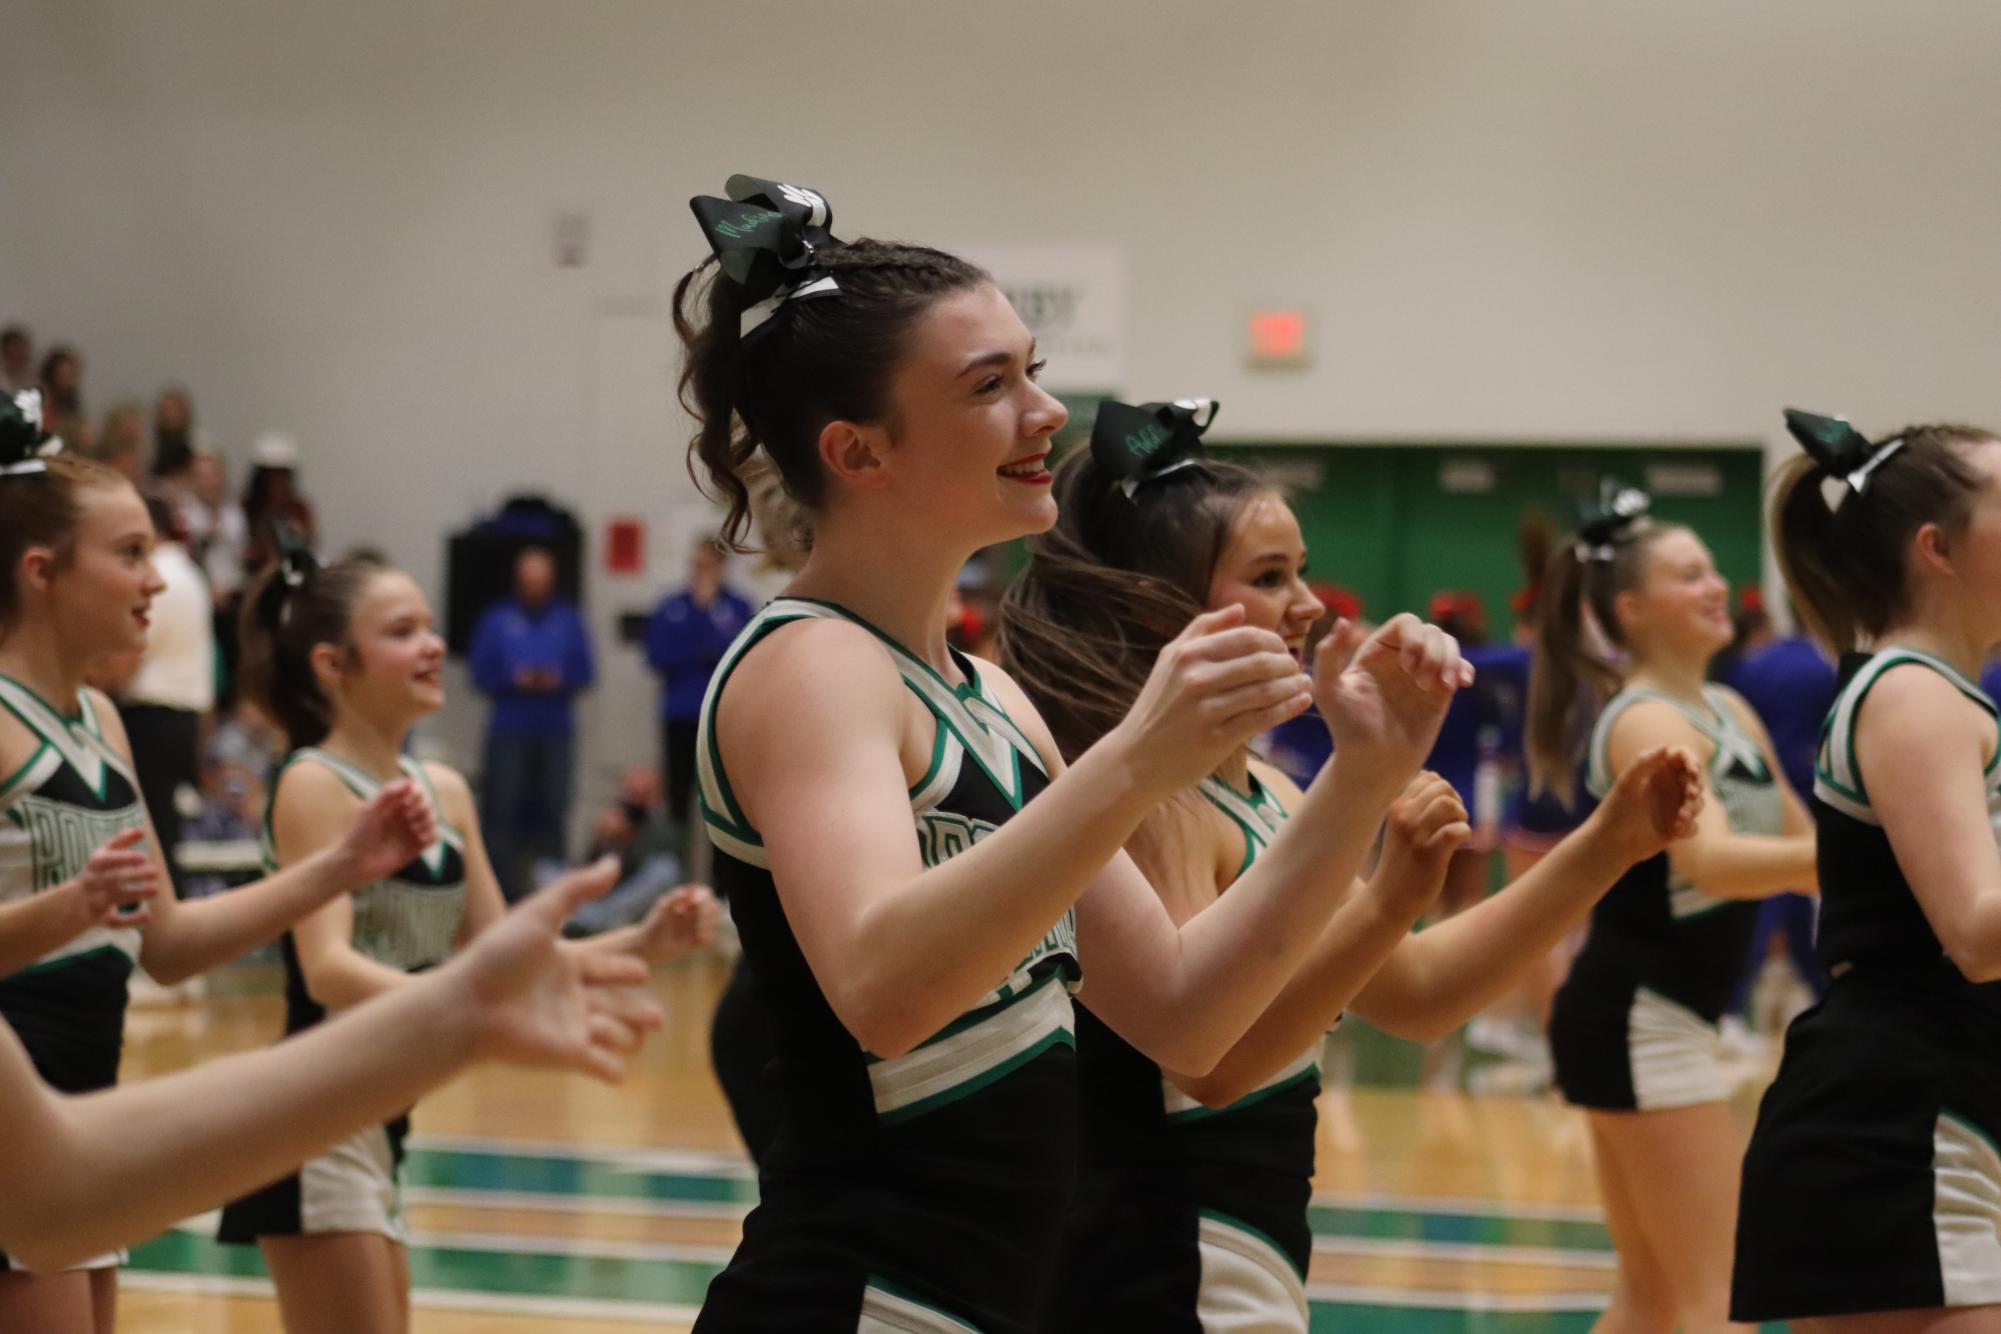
[(768, 237), (1139, 444)]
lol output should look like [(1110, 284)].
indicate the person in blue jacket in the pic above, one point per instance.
[(1789, 682), (532, 654), (689, 632)]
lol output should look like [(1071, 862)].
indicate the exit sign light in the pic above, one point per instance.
[(1278, 337)]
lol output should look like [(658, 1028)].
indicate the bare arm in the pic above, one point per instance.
[(310, 813), (1720, 862), (90, 1173), (1186, 996), (1447, 973), (1923, 750), (188, 938), (122, 873), (901, 950), (1425, 826)]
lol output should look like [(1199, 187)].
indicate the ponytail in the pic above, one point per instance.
[(1569, 679), (284, 620), (811, 363), (1845, 563)]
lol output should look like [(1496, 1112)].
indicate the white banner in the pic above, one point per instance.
[(1073, 299)]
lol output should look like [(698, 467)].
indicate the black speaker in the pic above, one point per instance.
[(479, 561)]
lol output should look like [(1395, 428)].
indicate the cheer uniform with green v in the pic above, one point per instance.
[(1873, 1182), (1634, 1026), (72, 793), (1189, 1219), (408, 922), (921, 1193)]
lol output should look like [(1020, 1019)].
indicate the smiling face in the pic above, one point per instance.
[(97, 593), (390, 670), (969, 429), (1263, 570), (1681, 605)]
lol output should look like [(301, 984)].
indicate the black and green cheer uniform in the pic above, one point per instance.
[(59, 806), (923, 1192), (1873, 1182), (1188, 1218), (407, 921), (1635, 1025)]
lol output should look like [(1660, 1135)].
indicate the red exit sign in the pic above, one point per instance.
[(1278, 337)]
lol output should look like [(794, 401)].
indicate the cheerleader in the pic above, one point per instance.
[(347, 660), (1871, 1195), (919, 878), (1192, 1204), (1633, 1032), (76, 577)]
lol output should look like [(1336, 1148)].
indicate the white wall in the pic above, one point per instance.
[(1546, 218)]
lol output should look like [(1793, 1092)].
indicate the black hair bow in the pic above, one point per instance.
[(23, 443), (1841, 451), (768, 237), (296, 561), (1135, 445), (1619, 510)]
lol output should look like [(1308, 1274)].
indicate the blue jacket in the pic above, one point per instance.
[(684, 643), (509, 640), (1790, 685)]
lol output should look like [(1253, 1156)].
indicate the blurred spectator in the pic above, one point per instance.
[(173, 431), (1790, 684), (972, 615), (236, 762), (685, 640), (217, 537), (17, 359), (636, 830), (272, 495), (62, 396), (164, 701), (121, 444), (532, 654)]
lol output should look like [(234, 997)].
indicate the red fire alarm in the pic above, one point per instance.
[(1278, 338), (625, 546)]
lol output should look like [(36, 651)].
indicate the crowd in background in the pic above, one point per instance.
[(204, 757)]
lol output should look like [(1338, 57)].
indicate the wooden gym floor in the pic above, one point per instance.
[(563, 1207)]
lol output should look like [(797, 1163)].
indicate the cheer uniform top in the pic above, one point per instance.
[(922, 1192), (1872, 1182), (71, 794), (408, 922), (74, 792), (1634, 1026), (1189, 1218)]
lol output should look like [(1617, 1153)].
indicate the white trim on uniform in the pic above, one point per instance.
[(886, 1312), (80, 741), (1247, 1285), (1677, 1059), (352, 1187), (1177, 1103), (903, 1084), (1966, 1212)]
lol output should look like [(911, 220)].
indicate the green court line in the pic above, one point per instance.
[(551, 1174), (592, 1277), (650, 1284), (544, 1174), (1463, 1229)]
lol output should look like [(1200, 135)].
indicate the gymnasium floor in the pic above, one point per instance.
[(563, 1207)]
